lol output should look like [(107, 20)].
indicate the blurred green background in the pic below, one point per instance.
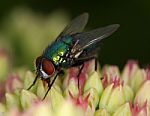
[(27, 26)]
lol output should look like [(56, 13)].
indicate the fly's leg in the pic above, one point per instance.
[(33, 83), (95, 63), (51, 84), (80, 70), (80, 62)]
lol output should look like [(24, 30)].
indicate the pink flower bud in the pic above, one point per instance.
[(114, 96), (109, 73), (142, 94), (13, 83)]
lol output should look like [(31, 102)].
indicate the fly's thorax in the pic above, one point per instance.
[(59, 57), (58, 51)]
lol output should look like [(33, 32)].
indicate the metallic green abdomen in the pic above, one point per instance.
[(56, 51)]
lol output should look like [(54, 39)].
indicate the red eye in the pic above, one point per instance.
[(38, 61), (48, 67)]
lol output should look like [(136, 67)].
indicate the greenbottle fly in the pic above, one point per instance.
[(71, 48)]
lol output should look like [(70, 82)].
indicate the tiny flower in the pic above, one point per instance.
[(137, 79), (142, 94), (73, 75), (13, 83), (110, 72), (84, 103), (139, 110), (133, 75), (80, 101), (93, 97), (94, 82), (72, 87), (113, 96), (129, 70), (89, 67), (129, 109)]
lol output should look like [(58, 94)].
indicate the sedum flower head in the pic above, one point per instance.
[(105, 92), (100, 93)]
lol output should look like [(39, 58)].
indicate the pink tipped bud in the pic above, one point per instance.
[(94, 82), (129, 70), (93, 99), (143, 94), (116, 82), (72, 88), (139, 110), (13, 83), (115, 95), (129, 109), (89, 67), (79, 101), (72, 78), (109, 73), (133, 75)]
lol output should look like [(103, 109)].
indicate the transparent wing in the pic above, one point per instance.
[(76, 25), (87, 39)]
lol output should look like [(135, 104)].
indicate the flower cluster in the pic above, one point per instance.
[(106, 92)]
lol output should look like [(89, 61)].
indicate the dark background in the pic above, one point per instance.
[(132, 39)]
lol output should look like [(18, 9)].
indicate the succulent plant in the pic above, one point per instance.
[(103, 92)]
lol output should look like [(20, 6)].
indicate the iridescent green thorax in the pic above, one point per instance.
[(56, 50)]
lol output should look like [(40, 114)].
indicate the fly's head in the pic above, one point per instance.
[(44, 67)]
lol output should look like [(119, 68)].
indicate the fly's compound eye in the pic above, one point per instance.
[(38, 61), (48, 67)]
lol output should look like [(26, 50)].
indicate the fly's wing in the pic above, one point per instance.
[(76, 25), (90, 38)]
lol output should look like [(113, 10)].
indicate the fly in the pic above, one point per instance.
[(71, 48)]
